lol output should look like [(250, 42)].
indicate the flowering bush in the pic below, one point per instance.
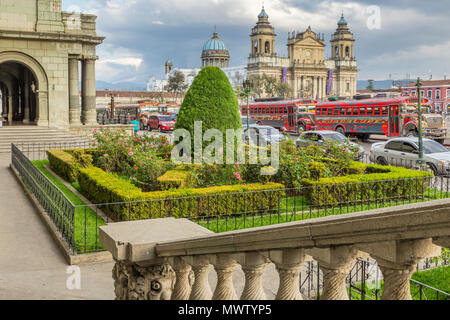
[(133, 157), (217, 175)]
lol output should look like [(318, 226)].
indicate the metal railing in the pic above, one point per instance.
[(230, 211), (38, 150), (55, 203)]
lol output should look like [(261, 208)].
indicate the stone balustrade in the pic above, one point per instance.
[(171, 259)]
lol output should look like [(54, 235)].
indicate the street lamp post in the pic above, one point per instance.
[(247, 89), (112, 106), (421, 160)]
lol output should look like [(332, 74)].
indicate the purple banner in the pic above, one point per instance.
[(330, 81), (284, 75)]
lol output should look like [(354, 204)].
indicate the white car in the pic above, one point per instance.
[(404, 152)]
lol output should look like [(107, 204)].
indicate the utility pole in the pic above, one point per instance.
[(421, 160)]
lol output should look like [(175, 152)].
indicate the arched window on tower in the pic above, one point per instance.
[(267, 47), (336, 51), (255, 47), (347, 52)]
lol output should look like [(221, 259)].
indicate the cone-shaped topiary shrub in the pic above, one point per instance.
[(212, 100)]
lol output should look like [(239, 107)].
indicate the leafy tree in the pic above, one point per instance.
[(176, 84), (212, 100), (257, 85)]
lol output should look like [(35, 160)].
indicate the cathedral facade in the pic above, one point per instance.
[(305, 69)]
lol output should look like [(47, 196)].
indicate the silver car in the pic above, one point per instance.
[(404, 152), (257, 134), (319, 137)]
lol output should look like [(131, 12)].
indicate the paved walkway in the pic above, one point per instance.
[(31, 265)]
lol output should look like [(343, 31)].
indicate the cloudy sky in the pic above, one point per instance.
[(410, 36)]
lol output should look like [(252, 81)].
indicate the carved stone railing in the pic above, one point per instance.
[(172, 259)]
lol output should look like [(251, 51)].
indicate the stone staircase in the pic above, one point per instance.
[(33, 136)]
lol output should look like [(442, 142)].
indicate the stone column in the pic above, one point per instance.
[(398, 261), (289, 264), (201, 267), (26, 93), (10, 107), (335, 263), (88, 111), (253, 265), (224, 265), (74, 92), (314, 89), (183, 285)]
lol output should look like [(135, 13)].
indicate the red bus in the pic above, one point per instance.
[(389, 117), (283, 115)]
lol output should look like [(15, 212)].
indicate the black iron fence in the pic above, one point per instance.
[(38, 150), (230, 211), (55, 203)]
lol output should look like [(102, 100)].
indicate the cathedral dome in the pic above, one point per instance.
[(215, 43), (215, 53), (342, 21), (263, 14)]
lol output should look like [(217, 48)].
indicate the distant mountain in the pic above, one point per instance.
[(379, 84), (121, 86)]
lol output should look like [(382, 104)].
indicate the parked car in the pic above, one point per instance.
[(256, 133), (404, 152), (162, 123), (319, 137), (250, 121)]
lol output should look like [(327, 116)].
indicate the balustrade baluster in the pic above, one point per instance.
[(225, 266), (253, 265)]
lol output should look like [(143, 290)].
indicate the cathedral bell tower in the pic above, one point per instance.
[(263, 37), (342, 42)]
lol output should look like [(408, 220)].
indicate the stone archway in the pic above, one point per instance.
[(25, 84)]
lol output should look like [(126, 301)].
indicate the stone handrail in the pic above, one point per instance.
[(171, 259)]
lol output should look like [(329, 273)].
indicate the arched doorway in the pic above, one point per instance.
[(23, 87)]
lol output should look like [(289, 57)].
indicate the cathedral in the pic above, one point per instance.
[(305, 69)]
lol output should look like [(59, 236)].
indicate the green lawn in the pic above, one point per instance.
[(86, 220), (297, 209)]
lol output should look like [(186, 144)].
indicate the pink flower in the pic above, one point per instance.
[(283, 182), (297, 160), (131, 153), (101, 127), (105, 155), (135, 167), (221, 150), (248, 153), (166, 156), (95, 130)]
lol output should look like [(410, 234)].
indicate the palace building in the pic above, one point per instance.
[(305, 69), (42, 50)]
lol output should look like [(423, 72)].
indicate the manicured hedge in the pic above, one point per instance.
[(376, 182), (175, 179), (64, 165), (102, 187)]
